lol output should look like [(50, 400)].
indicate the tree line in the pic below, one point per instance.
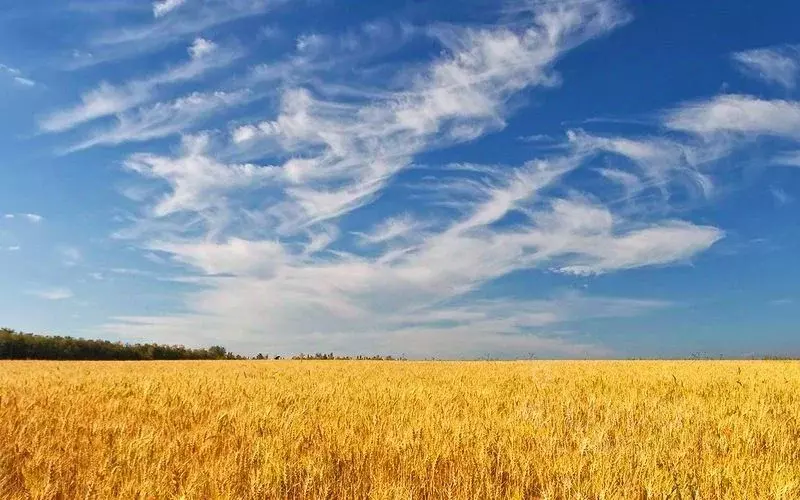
[(18, 345), (330, 356)]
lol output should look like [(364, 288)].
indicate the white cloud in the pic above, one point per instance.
[(510, 328), (315, 52), (392, 229), (790, 159), (537, 138), (345, 299), (182, 24), (286, 262), (16, 76), (269, 32), (198, 182), (30, 217), (27, 82), (107, 99), (70, 256), (244, 133), (781, 196), (657, 162), (202, 48), (9, 70), (204, 55), (738, 114), (126, 271), (164, 7), (163, 119), (235, 257), (35, 218), (58, 293), (310, 42), (776, 65), (103, 101), (586, 234), (357, 147)]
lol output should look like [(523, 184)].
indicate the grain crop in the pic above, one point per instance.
[(405, 430)]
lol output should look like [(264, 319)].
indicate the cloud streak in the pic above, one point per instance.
[(322, 214), (30, 217), (164, 7), (162, 119), (16, 76), (459, 97), (774, 65), (58, 293), (107, 99), (739, 114), (172, 23), (272, 255)]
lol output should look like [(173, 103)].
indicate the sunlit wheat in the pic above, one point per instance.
[(340, 429)]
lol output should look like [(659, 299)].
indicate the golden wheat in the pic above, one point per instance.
[(330, 429)]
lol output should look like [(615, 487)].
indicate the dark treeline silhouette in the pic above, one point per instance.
[(17, 345), (330, 356)]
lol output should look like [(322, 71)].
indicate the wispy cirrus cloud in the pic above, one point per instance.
[(733, 122), (103, 101), (316, 53), (198, 181), (458, 98), (393, 229), (57, 293), (790, 158), (329, 198), (778, 65), (107, 99), (162, 119), (266, 246), (16, 76), (734, 113), (164, 7), (484, 328), (781, 196), (70, 255), (26, 82), (655, 163), (30, 217), (172, 23)]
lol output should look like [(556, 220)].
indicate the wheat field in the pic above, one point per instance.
[(348, 429)]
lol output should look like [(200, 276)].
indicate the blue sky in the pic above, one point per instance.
[(588, 178)]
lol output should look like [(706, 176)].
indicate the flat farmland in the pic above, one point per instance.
[(374, 429)]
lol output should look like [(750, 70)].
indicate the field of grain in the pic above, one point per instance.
[(346, 429)]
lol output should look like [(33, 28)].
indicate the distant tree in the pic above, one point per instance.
[(217, 352), (17, 345), (331, 356)]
